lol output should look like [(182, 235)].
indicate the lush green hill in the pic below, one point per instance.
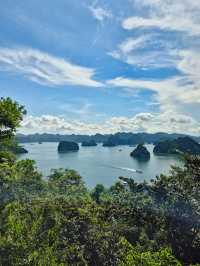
[(141, 153), (66, 146), (177, 146)]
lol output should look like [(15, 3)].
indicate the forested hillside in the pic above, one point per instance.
[(107, 139)]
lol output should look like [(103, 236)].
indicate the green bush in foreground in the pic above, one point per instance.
[(60, 222)]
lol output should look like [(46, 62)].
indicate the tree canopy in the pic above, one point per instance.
[(11, 115)]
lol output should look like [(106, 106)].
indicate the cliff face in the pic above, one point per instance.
[(180, 145), (141, 153), (66, 146)]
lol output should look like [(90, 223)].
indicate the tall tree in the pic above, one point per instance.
[(11, 114)]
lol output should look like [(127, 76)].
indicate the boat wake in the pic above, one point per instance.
[(125, 169)]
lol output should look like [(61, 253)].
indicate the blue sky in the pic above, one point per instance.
[(102, 66)]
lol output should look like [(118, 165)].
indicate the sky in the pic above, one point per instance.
[(102, 66)]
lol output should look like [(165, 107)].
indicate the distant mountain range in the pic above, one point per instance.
[(107, 139)]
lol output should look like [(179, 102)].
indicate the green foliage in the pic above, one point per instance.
[(60, 222), (11, 114), (7, 157), (178, 196), (96, 193), (57, 231), (67, 183), (163, 257)]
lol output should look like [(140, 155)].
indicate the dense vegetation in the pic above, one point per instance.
[(66, 146), (141, 153), (60, 222), (90, 143), (178, 146)]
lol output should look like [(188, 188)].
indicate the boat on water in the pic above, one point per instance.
[(139, 171)]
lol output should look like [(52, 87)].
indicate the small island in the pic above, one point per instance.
[(67, 146), (177, 146), (141, 153), (90, 143)]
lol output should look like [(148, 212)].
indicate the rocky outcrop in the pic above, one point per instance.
[(67, 146), (141, 153), (178, 146), (89, 143), (19, 150)]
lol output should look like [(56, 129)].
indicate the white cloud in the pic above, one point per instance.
[(46, 69), (173, 34), (146, 51), (142, 122), (190, 63), (166, 122), (167, 23), (100, 13), (163, 28), (179, 15), (177, 93), (134, 43), (147, 59), (56, 124), (154, 85)]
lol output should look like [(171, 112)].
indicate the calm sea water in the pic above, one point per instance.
[(97, 164)]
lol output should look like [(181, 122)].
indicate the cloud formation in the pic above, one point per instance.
[(179, 15), (100, 13), (160, 31), (157, 39), (177, 93), (145, 51), (142, 122), (165, 34), (46, 69)]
